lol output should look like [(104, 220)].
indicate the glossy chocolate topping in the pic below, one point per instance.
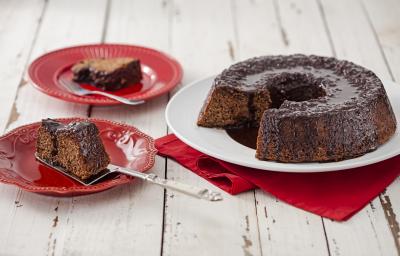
[(82, 131), (51, 125), (330, 84)]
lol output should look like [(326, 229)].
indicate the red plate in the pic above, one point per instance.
[(126, 145), (161, 73)]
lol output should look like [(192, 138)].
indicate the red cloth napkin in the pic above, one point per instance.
[(336, 195)]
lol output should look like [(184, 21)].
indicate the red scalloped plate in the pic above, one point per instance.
[(161, 73), (126, 146)]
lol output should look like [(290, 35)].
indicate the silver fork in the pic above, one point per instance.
[(200, 193), (76, 89)]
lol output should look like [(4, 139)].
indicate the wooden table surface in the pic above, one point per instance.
[(205, 36)]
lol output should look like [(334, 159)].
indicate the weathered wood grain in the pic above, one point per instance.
[(135, 211), (34, 226), (18, 26), (384, 19), (203, 40), (19, 21)]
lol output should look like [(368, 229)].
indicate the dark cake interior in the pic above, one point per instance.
[(108, 74), (76, 147), (306, 108)]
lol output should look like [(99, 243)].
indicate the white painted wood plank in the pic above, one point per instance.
[(202, 37), (354, 40), (390, 201), (203, 40), (384, 18), (134, 212), (364, 234), (205, 228), (18, 25), (258, 29), (352, 36), (34, 228), (126, 220), (303, 28), (141, 23), (284, 230)]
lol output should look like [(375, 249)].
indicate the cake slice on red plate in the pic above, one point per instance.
[(76, 147), (108, 74)]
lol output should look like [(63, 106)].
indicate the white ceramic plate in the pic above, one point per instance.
[(183, 109)]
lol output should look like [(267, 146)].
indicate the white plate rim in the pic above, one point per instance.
[(278, 166)]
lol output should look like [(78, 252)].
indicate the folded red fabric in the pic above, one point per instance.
[(336, 195)]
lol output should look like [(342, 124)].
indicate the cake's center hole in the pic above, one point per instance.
[(296, 88), (246, 136), (290, 87)]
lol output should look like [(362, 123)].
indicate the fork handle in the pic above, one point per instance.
[(201, 193), (117, 98)]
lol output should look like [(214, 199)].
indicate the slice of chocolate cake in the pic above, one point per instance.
[(76, 147), (108, 74)]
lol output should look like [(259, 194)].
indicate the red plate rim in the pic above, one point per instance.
[(174, 81), (120, 180)]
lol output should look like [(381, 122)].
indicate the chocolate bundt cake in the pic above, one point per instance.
[(108, 74), (76, 147), (307, 108)]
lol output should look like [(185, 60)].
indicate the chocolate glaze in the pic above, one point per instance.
[(345, 84), (51, 125)]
